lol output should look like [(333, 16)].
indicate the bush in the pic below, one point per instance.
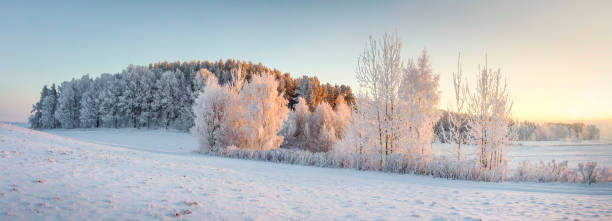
[(441, 167)]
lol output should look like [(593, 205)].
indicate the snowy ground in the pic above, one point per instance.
[(46, 176)]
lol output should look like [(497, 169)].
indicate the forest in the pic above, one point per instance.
[(160, 95)]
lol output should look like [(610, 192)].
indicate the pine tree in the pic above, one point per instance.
[(37, 109), (49, 107)]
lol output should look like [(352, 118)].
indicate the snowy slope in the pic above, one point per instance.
[(46, 176), (165, 141)]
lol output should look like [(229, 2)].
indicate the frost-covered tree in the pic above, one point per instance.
[(265, 109), (69, 101), (456, 122), (356, 138), (308, 88), (322, 133), (489, 108), (316, 131), (145, 97), (211, 109), (298, 126), (201, 79), (379, 73), (112, 111), (167, 103), (90, 112), (420, 97), (36, 112), (67, 112), (591, 133), (342, 117), (49, 106), (248, 116), (400, 100)]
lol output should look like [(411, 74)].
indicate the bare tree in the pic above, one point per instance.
[(379, 73), (457, 123), (489, 108)]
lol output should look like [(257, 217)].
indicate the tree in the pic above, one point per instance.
[(298, 124), (263, 114), (91, 111), (110, 100), (342, 117), (592, 133), (211, 109), (37, 109), (322, 134), (379, 73), (456, 121), (69, 101), (167, 102), (67, 112), (420, 97), (356, 138), (489, 108), (308, 88), (49, 106)]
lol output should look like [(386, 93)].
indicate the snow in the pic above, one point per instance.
[(143, 175), (158, 140)]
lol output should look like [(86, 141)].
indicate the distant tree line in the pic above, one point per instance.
[(161, 95), (557, 131), (523, 131)]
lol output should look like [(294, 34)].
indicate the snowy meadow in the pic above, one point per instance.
[(134, 174)]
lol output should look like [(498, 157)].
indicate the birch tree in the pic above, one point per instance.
[(489, 108), (379, 73)]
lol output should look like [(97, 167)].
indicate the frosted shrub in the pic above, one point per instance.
[(588, 172), (441, 167), (605, 175), (541, 172), (395, 163)]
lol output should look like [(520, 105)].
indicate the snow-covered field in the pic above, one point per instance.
[(143, 175)]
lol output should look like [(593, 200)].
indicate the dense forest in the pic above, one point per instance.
[(161, 95)]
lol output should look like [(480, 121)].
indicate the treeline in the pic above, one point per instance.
[(532, 131), (161, 95), (523, 131)]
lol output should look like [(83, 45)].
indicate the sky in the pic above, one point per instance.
[(556, 55)]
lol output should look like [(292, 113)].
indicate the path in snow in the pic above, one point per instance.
[(52, 177)]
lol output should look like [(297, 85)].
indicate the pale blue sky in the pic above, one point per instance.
[(557, 55)]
